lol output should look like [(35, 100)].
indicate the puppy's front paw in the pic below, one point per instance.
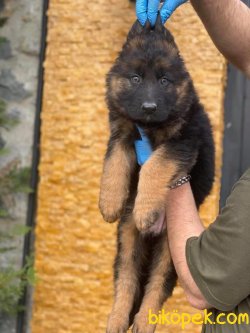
[(146, 212), (117, 323), (111, 205), (144, 220)]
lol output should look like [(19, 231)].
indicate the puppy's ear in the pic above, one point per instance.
[(159, 27), (136, 30), (147, 27), (169, 37)]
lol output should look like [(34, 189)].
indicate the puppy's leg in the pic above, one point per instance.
[(160, 286), (155, 176), (126, 278), (119, 164)]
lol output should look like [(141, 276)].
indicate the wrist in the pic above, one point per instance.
[(178, 193), (181, 210), (180, 181), (201, 2)]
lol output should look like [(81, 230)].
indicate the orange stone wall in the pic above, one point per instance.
[(74, 246)]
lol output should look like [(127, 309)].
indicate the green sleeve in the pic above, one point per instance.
[(219, 259)]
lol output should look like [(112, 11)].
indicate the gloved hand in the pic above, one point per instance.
[(148, 9), (143, 147)]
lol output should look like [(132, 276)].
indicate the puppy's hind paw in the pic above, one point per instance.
[(141, 325), (117, 324)]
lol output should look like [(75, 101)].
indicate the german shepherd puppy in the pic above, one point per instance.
[(149, 86)]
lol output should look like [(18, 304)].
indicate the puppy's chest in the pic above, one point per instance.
[(158, 138), (162, 136), (128, 132)]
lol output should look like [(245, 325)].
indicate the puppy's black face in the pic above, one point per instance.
[(149, 82)]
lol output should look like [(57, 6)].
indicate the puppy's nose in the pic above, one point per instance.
[(149, 107)]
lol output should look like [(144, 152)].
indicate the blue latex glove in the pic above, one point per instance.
[(143, 147), (148, 9)]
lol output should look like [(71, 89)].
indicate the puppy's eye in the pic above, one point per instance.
[(164, 81), (136, 79)]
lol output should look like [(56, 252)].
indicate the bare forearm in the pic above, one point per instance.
[(183, 222), (228, 24)]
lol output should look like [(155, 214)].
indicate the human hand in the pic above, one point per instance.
[(143, 147), (148, 9)]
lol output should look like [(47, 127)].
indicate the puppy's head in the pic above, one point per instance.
[(148, 82)]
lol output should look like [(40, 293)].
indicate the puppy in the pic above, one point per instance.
[(149, 86)]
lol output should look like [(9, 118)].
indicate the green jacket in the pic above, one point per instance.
[(219, 261)]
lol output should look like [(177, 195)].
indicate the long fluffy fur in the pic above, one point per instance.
[(149, 69)]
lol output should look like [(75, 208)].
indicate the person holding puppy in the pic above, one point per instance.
[(213, 265)]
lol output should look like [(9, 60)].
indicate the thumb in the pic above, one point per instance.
[(168, 8)]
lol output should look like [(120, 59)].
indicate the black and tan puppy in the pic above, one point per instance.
[(149, 86)]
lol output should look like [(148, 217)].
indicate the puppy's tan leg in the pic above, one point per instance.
[(126, 283), (159, 288), (155, 176), (115, 181)]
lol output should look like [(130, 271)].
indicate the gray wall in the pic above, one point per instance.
[(19, 61)]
